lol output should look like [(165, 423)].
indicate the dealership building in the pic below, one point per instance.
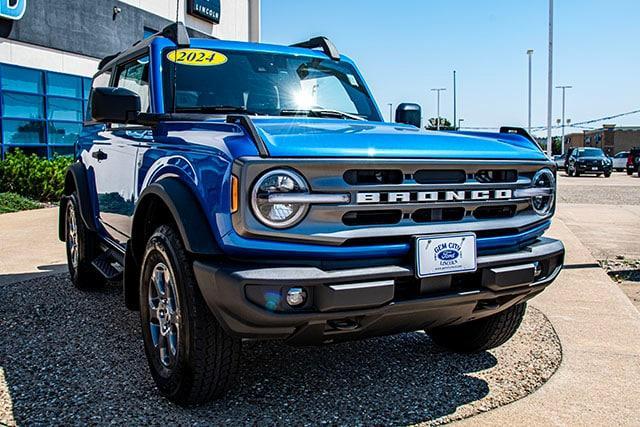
[(49, 50)]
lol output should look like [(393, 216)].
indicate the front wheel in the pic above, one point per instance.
[(192, 359), (482, 334), (607, 175), (629, 172)]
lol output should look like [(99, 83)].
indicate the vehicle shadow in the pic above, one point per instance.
[(43, 270), (76, 357)]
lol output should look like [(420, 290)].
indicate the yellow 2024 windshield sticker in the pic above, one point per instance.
[(197, 57)]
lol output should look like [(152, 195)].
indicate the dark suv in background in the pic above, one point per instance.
[(633, 161), (584, 160)]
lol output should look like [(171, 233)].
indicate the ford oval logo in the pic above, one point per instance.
[(448, 255)]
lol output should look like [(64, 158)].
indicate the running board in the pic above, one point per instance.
[(109, 266)]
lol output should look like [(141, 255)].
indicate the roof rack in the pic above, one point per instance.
[(322, 42), (518, 131), (176, 32)]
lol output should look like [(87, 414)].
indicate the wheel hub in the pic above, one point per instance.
[(72, 235), (164, 315)]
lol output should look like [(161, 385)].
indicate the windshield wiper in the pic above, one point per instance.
[(221, 109), (320, 112)]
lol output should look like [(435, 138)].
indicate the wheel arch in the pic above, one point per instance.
[(76, 180), (167, 201)]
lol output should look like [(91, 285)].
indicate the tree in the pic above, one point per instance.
[(445, 124)]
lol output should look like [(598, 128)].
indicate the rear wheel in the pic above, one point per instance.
[(482, 334), (192, 359), (81, 247)]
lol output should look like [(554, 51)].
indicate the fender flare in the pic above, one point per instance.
[(76, 180), (186, 212)]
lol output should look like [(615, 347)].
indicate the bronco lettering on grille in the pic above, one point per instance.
[(434, 196)]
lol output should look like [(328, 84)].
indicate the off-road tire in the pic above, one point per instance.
[(83, 275), (207, 358), (482, 334)]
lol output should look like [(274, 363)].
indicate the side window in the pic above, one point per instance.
[(101, 80), (134, 76)]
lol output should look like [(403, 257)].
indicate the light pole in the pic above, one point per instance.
[(455, 113), (550, 81), (390, 112), (563, 121), (530, 54), (438, 90)]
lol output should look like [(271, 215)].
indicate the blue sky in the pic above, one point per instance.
[(404, 48)]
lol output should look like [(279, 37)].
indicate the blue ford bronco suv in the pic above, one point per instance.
[(250, 191)]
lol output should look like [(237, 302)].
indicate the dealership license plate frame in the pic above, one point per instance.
[(419, 266)]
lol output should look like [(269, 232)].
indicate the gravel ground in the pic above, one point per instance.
[(71, 357), (626, 273), (617, 189)]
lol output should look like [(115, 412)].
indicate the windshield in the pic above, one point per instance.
[(263, 83), (590, 152)]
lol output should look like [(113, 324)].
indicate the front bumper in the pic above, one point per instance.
[(249, 301), (586, 169)]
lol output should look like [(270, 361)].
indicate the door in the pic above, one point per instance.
[(113, 156)]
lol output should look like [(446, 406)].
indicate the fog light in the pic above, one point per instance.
[(296, 296), (537, 269)]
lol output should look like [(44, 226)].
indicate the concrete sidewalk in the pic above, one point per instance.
[(598, 382), (29, 245)]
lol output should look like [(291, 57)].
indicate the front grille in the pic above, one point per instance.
[(426, 176), (391, 200), (378, 217), (494, 212), (435, 215)]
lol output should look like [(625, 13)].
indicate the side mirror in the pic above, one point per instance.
[(114, 105), (410, 114)]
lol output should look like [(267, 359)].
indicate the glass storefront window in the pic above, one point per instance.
[(87, 88), (62, 151), (64, 109), (63, 133), (22, 106), (63, 85), (17, 132), (41, 112), (21, 79)]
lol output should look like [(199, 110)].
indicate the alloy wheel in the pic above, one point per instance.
[(72, 235), (164, 314)]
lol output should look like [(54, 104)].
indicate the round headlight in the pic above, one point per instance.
[(544, 178), (277, 214)]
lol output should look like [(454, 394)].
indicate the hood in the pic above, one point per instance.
[(310, 137)]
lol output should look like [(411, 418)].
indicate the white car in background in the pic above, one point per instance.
[(620, 161)]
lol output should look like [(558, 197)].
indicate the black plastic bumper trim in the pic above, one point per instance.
[(223, 288)]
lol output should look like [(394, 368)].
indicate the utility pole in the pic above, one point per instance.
[(390, 112), (563, 121), (454, 99), (550, 81), (530, 54), (438, 90)]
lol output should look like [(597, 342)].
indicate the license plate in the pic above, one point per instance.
[(445, 254), (595, 168)]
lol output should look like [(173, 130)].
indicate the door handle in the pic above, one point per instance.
[(100, 155)]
